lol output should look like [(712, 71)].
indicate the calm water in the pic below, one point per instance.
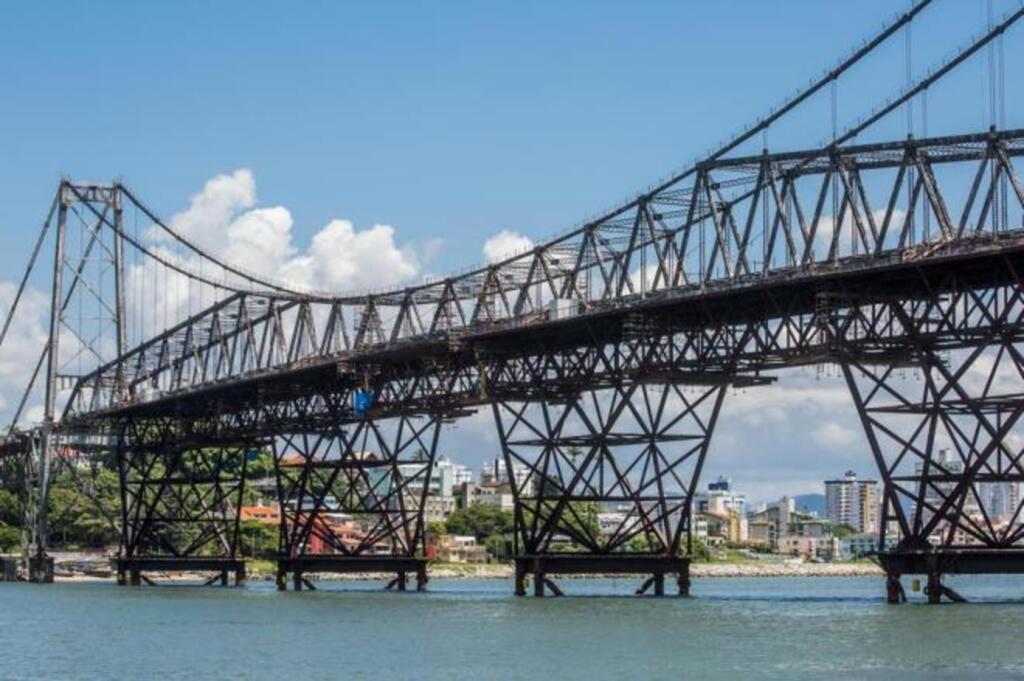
[(732, 628)]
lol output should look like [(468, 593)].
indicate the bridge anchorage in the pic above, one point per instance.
[(605, 357)]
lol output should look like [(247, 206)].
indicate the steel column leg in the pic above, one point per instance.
[(934, 588), (683, 582), (421, 578), (520, 577), (641, 443), (894, 590)]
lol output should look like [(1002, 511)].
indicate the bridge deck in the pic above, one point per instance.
[(983, 262)]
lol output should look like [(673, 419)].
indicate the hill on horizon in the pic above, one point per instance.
[(810, 503)]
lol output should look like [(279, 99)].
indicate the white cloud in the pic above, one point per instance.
[(211, 211), (341, 258), (834, 435), (795, 398), (504, 244), (25, 339), (260, 240), (223, 219)]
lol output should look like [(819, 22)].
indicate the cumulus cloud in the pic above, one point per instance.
[(340, 258), (826, 229), (25, 340), (223, 219), (212, 210), (504, 244)]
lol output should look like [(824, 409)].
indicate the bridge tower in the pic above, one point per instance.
[(86, 328)]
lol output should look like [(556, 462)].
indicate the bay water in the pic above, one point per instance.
[(739, 628)]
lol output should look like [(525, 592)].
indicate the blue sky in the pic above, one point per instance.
[(448, 122), (454, 120)]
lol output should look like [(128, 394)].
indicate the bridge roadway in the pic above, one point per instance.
[(733, 333)]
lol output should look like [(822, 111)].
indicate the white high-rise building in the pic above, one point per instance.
[(461, 474), (853, 502), (1000, 500)]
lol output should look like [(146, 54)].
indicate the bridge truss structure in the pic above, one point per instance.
[(605, 356)]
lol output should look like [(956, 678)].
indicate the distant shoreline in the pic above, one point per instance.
[(467, 572)]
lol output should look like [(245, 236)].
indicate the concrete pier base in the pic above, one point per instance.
[(933, 563), (10, 568), (131, 571), (400, 566), (40, 569), (542, 566)]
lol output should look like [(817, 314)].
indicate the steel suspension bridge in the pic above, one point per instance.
[(605, 355)]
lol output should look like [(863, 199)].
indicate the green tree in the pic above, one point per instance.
[(437, 528), (699, 550), (497, 546), (480, 521), (639, 544), (582, 517), (576, 519), (260, 465), (842, 531), (10, 508), (257, 539), (10, 538), (84, 508)]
